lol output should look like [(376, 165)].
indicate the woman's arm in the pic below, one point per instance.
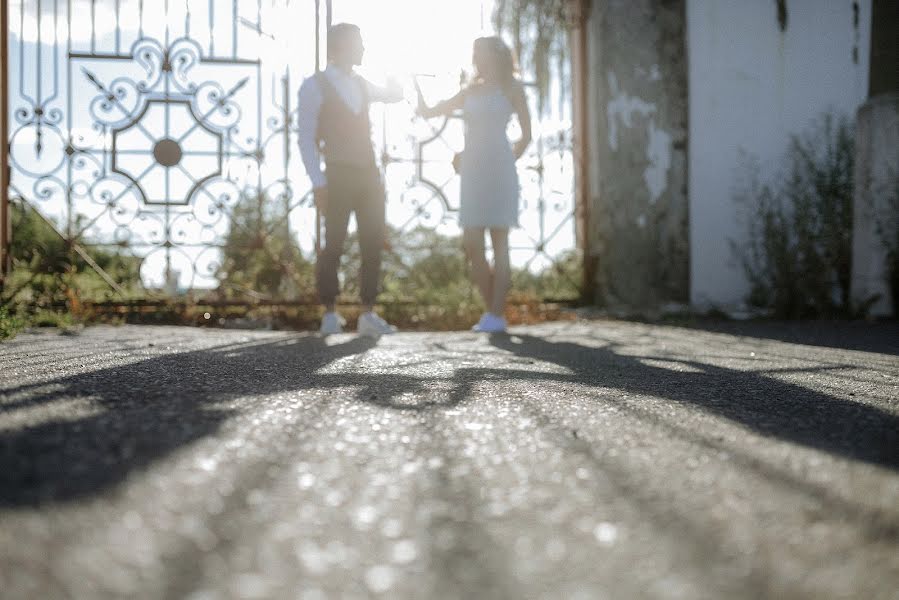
[(444, 108), (520, 104)]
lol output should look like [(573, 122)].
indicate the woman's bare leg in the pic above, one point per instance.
[(502, 270), (481, 274)]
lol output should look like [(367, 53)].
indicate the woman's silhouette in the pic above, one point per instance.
[(489, 186)]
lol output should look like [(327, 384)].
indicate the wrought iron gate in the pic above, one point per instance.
[(148, 126)]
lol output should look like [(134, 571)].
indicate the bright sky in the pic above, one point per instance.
[(415, 36), (402, 36)]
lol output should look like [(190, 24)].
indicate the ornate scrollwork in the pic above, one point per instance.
[(151, 146)]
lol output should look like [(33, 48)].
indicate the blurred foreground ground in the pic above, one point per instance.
[(596, 459)]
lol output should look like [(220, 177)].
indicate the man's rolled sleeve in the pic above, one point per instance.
[(309, 105), (388, 94)]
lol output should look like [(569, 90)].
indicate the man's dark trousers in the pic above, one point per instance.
[(360, 190)]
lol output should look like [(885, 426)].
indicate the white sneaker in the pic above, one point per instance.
[(332, 324), (477, 326), (370, 324), (490, 323)]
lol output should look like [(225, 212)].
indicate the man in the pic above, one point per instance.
[(333, 111)]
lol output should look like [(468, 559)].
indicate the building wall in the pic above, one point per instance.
[(753, 81), (638, 153), (874, 217)]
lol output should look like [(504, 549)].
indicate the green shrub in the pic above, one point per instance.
[(46, 269), (425, 276), (52, 318), (261, 257), (10, 324), (798, 253)]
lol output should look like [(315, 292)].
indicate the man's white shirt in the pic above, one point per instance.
[(309, 104)]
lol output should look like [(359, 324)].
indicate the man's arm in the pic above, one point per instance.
[(309, 103), (389, 93)]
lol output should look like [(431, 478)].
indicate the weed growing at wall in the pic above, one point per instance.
[(797, 256)]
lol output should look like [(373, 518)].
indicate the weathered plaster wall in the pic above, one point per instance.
[(876, 170), (752, 84), (638, 152)]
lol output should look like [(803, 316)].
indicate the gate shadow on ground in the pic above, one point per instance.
[(764, 405), (142, 412)]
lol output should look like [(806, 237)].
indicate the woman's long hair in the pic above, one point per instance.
[(502, 62)]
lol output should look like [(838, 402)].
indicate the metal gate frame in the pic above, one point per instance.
[(5, 226), (579, 40)]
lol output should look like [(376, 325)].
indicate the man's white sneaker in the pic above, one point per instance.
[(490, 323), (371, 325), (332, 324)]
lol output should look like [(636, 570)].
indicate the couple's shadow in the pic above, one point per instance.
[(138, 413), (143, 411), (763, 404)]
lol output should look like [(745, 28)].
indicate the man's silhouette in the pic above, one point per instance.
[(334, 123)]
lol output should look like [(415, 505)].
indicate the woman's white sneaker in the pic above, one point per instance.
[(490, 323), (371, 325), (477, 326)]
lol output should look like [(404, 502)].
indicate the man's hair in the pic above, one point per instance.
[(338, 35)]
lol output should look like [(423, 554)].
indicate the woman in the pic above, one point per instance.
[(489, 181)]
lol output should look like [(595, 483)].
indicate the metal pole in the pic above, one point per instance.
[(318, 44), (319, 218), (5, 226), (581, 96), (318, 66)]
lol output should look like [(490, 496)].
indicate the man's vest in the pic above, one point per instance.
[(344, 136)]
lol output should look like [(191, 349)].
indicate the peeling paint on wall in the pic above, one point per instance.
[(638, 170), (638, 157), (641, 221), (621, 108), (658, 153), (620, 112)]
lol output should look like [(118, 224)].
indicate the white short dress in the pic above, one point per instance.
[(489, 181)]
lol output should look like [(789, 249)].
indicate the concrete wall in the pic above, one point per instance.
[(637, 152), (754, 79), (884, 76), (874, 216)]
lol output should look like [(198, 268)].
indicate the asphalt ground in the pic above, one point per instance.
[(598, 459)]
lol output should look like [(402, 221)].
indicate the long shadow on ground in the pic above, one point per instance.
[(763, 404), (144, 411), (149, 409), (881, 337)]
